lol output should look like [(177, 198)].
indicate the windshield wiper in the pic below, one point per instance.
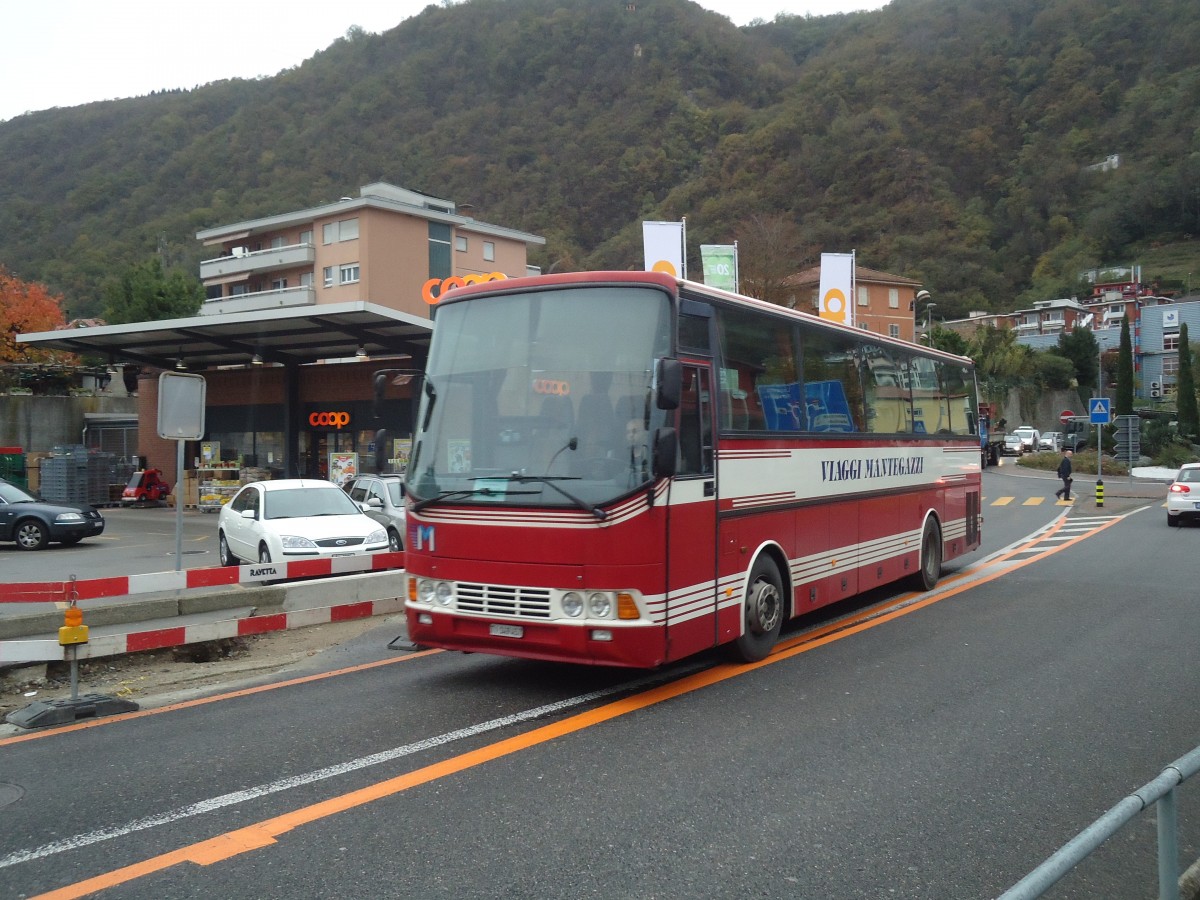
[(463, 492), (549, 481)]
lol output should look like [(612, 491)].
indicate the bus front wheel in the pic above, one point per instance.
[(764, 613), (930, 571)]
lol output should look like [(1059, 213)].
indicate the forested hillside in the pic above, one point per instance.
[(945, 140)]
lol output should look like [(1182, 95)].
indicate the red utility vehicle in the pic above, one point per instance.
[(146, 485)]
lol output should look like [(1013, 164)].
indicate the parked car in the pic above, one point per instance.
[(1051, 440), (1030, 438), (1183, 496), (1012, 445), (34, 523), (383, 496), (293, 519)]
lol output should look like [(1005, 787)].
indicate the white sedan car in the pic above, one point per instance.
[(293, 519), (1183, 496)]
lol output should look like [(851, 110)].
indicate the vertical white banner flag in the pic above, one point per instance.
[(663, 243), (837, 287)]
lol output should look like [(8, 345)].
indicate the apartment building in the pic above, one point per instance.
[(390, 246)]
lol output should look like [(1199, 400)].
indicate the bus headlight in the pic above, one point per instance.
[(444, 593), (599, 605), (425, 589), (572, 604)]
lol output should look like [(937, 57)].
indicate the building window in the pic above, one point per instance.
[(279, 284), (238, 290), (348, 274), (894, 298), (1171, 342), (328, 276), (439, 250), (460, 243), (277, 242), (306, 237), (864, 296), (489, 251), (306, 279), (348, 230), (894, 331), (1170, 366)]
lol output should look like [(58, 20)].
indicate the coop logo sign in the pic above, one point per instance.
[(433, 289), (329, 419)]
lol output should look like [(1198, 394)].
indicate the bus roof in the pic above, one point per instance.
[(680, 287)]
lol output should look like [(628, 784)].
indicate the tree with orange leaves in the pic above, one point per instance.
[(27, 307)]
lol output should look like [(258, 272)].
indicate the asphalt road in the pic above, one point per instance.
[(940, 750)]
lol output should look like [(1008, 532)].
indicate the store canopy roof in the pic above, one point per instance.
[(288, 336)]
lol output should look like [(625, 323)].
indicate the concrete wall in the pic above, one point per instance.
[(37, 424), (1043, 412)]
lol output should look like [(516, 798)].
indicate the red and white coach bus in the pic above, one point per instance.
[(623, 468)]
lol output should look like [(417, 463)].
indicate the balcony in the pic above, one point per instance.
[(287, 297), (244, 262)]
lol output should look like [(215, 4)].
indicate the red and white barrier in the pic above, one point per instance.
[(49, 650), (254, 573), (72, 591)]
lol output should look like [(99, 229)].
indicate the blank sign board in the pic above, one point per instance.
[(181, 406)]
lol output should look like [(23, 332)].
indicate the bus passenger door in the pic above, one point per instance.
[(692, 522)]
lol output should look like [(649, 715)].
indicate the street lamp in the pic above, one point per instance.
[(921, 297)]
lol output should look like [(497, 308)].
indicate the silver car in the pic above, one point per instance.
[(383, 498)]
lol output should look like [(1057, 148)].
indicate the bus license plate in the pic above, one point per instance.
[(510, 631)]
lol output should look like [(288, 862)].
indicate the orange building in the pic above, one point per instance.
[(883, 303)]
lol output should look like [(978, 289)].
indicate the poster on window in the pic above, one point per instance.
[(210, 453), (401, 450), (343, 467)]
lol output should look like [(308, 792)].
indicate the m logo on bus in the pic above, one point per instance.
[(425, 538)]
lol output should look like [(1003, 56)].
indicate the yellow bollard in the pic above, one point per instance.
[(1099, 492)]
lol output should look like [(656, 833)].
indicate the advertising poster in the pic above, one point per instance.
[(401, 450), (343, 467), (210, 453)]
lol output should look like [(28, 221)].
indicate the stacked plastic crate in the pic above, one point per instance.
[(75, 475)]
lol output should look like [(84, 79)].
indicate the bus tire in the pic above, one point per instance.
[(930, 563), (764, 613)]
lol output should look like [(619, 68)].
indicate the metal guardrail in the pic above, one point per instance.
[(1160, 791)]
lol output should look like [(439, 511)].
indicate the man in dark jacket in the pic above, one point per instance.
[(1064, 472)]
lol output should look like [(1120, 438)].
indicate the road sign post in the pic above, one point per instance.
[(1100, 414)]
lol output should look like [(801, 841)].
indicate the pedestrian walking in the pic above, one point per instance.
[(1064, 472)]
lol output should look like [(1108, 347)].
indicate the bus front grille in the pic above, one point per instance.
[(502, 600)]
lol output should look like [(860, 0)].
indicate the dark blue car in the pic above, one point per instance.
[(34, 523)]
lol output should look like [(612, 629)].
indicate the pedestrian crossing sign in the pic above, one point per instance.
[(1099, 412)]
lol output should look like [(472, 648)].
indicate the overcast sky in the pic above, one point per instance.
[(71, 52)]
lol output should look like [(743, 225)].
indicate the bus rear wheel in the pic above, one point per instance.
[(930, 571), (764, 613)]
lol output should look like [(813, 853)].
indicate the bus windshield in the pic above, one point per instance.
[(542, 398)]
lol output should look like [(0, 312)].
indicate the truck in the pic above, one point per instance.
[(991, 435), (1077, 431)]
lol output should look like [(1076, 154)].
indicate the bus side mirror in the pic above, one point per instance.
[(379, 391), (669, 378), (666, 449), (382, 438)]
